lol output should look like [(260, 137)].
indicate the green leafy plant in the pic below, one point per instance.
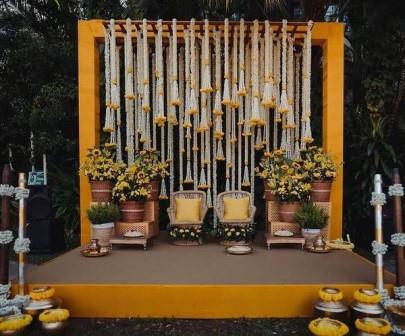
[(311, 216), (103, 213)]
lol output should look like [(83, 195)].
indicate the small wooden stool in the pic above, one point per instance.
[(270, 239), (145, 242), (146, 227)]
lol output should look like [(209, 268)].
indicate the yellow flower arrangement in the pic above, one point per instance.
[(148, 162), (42, 293), (375, 326), (15, 322), (328, 327), (132, 185), (54, 315), (318, 164), (330, 294), (99, 165), (367, 296)]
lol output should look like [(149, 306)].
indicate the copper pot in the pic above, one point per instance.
[(132, 211), (154, 190), (101, 191), (268, 195), (287, 210), (320, 191)]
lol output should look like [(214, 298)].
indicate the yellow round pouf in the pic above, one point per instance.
[(328, 327), (42, 293), (367, 296), (330, 294), (375, 326), (15, 322), (54, 315)]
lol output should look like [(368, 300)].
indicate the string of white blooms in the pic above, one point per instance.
[(206, 73), (290, 122), (234, 95), (203, 127), (246, 131), (255, 118), (276, 93), (217, 111), (181, 118), (240, 125), (196, 122), (108, 119), (252, 165), (228, 154), (242, 88), (175, 100), (118, 121), (129, 92), (114, 90), (187, 120), (307, 112), (208, 155), (140, 115), (303, 92), (136, 100), (145, 101), (267, 100), (160, 118), (193, 96), (154, 102), (262, 124), (170, 157), (226, 99), (297, 153), (283, 107)]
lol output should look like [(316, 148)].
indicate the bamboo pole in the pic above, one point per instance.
[(5, 225), (378, 235), (400, 251), (21, 231)]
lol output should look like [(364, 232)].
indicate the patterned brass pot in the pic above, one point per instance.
[(360, 310), (36, 307), (337, 310)]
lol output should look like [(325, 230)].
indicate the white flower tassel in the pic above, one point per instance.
[(283, 108), (242, 89), (267, 100), (206, 79), (163, 192), (246, 176), (220, 152), (175, 99), (226, 99), (160, 118), (146, 101), (255, 118)]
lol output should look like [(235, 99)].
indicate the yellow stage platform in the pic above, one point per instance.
[(201, 281)]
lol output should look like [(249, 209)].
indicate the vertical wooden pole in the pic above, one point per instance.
[(21, 234), (5, 225), (89, 112), (400, 251), (333, 72)]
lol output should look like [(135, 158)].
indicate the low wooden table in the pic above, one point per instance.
[(270, 239), (144, 241)]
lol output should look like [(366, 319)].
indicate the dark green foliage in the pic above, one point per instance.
[(103, 213), (311, 216)]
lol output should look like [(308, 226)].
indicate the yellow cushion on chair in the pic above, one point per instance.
[(188, 209), (236, 208)]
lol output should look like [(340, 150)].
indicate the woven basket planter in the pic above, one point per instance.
[(103, 232), (101, 191), (132, 211), (154, 190), (287, 210), (320, 191)]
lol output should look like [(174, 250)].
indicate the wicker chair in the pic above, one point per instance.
[(191, 194), (234, 194)]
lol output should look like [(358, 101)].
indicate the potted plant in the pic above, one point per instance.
[(231, 235), (148, 161), (102, 217), (102, 171), (311, 218), (291, 186), (185, 235), (321, 170), (131, 190), (268, 166)]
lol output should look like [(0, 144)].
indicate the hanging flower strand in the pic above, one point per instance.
[(268, 56), (242, 88), (226, 99), (283, 107), (160, 118), (255, 118)]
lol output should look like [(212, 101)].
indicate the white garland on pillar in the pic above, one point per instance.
[(118, 121), (181, 118)]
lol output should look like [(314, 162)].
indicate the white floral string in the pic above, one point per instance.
[(377, 199), (6, 237), (398, 239), (379, 248), (396, 190), (22, 245)]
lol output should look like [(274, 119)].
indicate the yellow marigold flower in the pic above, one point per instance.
[(15, 322), (54, 315), (375, 326), (284, 167), (367, 296), (330, 294), (328, 327), (42, 293), (290, 171)]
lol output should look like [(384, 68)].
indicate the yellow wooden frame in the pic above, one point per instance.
[(328, 35)]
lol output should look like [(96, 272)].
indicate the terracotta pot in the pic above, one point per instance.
[(268, 195), (310, 236), (101, 191), (320, 191), (132, 211), (287, 210), (154, 193), (103, 232)]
